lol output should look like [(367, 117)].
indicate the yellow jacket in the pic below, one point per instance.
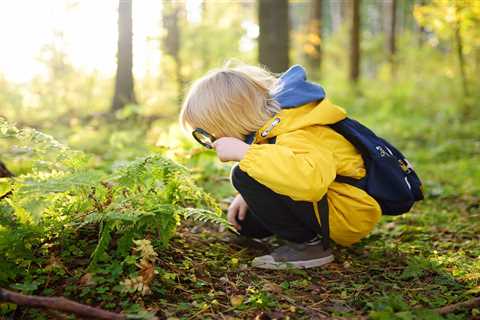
[(304, 161)]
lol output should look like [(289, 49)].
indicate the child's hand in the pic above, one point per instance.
[(237, 211), (230, 149)]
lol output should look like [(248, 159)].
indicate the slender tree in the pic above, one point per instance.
[(314, 36), (124, 92), (171, 41), (467, 105), (273, 41), (355, 41), (392, 45)]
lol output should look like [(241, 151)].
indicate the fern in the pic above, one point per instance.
[(60, 181), (104, 239), (145, 197), (47, 151), (203, 215)]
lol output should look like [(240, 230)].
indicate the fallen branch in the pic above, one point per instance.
[(461, 305), (4, 172), (61, 304)]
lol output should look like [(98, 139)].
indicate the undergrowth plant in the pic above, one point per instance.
[(64, 194)]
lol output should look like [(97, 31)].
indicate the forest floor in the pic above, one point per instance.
[(409, 266)]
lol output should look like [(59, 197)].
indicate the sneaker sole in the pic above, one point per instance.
[(293, 265)]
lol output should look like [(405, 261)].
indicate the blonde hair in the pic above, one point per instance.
[(231, 101)]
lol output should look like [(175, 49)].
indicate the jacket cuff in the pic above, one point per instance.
[(250, 158)]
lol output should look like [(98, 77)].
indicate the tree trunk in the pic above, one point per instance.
[(314, 36), (355, 41), (273, 41), (477, 60), (336, 15), (171, 42), (124, 93), (461, 64), (392, 45)]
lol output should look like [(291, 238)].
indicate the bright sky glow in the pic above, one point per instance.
[(194, 10), (252, 31), (89, 30)]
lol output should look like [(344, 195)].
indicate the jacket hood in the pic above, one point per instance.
[(303, 104), (294, 90)]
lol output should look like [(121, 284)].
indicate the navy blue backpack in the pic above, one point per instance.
[(390, 179)]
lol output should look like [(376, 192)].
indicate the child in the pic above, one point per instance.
[(277, 129)]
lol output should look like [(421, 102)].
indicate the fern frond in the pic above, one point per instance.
[(49, 152), (61, 183), (203, 215), (104, 240)]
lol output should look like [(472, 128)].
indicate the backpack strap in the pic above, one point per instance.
[(272, 140), (359, 183), (323, 207), (324, 223)]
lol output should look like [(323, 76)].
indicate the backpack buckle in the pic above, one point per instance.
[(405, 166)]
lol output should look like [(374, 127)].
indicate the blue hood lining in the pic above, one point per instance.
[(294, 90)]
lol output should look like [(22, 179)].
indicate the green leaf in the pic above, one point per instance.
[(5, 186)]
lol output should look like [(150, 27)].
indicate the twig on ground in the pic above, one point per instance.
[(61, 304), (461, 305), (53, 314)]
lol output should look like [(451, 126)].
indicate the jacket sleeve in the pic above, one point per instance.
[(292, 167)]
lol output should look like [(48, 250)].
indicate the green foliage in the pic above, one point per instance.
[(206, 45), (417, 266), (395, 307), (444, 16), (62, 195)]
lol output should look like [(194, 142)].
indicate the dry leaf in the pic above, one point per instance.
[(147, 272), (86, 280), (236, 300), (54, 263), (272, 287)]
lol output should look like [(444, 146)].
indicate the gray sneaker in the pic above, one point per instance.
[(293, 255)]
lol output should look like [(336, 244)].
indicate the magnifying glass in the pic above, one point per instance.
[(204, 138)]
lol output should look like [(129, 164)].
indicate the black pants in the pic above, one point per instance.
[(271, 213)]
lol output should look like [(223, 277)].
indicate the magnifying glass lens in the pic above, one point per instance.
[(203, 137)]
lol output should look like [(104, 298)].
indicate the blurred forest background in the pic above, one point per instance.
[(90, 93), (61, 64)]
